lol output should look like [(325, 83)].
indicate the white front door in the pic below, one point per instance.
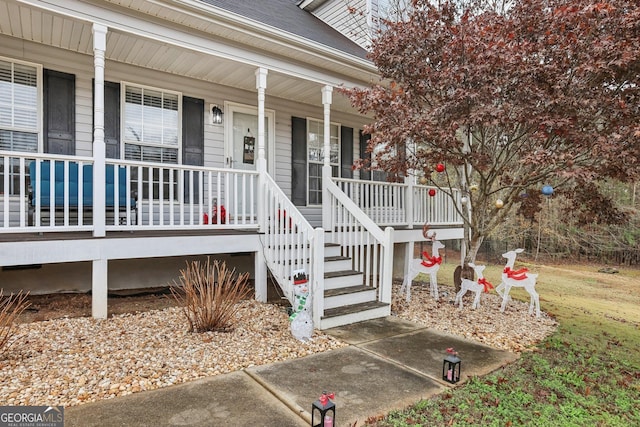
[(241, 147)]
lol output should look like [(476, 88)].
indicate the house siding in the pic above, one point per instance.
[(352, 25)]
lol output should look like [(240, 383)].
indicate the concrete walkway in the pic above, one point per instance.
[(390, 364)]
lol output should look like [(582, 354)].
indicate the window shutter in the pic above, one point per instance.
[(112, 119), (59, 112), (299, 161), (346, 156), (192, 131), (364, 140)]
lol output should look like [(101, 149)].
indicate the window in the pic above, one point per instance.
[(315, 157), (19, 120), (151, 124)]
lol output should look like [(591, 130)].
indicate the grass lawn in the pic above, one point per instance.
[(586, 374)]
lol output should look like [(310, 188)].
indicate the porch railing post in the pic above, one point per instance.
[(99, 168), (387, 268), (317, 287), (408, 180)]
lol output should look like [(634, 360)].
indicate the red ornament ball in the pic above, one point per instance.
[(440, 167), (432, 192)]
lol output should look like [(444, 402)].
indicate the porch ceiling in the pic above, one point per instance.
[(70, 33)]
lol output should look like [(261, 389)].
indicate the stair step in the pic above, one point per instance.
[(342, 278), (346, 315), (332, 249), (346, 290), (336, 263)]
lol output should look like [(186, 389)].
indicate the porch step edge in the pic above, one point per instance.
[(347, 290)]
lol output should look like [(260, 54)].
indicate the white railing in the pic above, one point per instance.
[(438, 209), (45, 193), (290, 243), (369, 247), (402, 204), (385, 203)]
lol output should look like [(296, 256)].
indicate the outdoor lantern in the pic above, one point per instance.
[(326, 410), (451, 366), (547, 190), (216, 115)]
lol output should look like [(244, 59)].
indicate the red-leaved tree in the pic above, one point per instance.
[(545, 92)]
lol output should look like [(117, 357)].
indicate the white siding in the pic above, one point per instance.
[(353, 25)]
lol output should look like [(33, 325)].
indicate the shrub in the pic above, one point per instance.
[(11, 307), (209, 295)]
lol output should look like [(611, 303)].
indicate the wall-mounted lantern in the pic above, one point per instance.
[(216, 115)]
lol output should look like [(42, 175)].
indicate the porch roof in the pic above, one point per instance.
[(194, 39)]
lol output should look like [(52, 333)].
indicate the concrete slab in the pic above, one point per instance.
[(225, 400), (365, 385), (369, 330), (424, 351)]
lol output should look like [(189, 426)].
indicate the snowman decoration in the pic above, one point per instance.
[(300, 318)]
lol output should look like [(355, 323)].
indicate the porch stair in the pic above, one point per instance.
[(346, 299)]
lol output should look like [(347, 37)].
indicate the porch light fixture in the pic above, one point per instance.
[(326, 410), (216, 115)]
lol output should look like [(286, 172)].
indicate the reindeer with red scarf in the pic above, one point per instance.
[(429, 265), (517, 279), (479, 286)]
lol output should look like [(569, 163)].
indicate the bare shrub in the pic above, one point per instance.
[(11, 307), (209, 295)]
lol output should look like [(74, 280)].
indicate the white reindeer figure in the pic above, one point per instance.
[(477, 286), (517, 279), (430, 265)]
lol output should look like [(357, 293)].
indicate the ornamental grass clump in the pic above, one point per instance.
[(209, 294), (11, 307)]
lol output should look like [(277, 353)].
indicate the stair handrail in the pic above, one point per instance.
[(376, 266), (288, 242)]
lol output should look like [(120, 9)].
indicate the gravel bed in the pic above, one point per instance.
[(71, 361), (514, 330)]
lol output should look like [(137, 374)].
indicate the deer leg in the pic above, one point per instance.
[(459, 296), (476, 300), (505, 297), (434, 286)]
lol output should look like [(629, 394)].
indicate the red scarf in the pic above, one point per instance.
[(431, 260), (516, 274), (487, 286)]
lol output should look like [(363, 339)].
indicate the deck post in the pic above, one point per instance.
[(260, 276), (387, 268), (99, 168), (409, 183), (99, 289), (317, 276), (326, 168)]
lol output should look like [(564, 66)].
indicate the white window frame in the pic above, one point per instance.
[(320, 161), (40, 96), (123, 102)]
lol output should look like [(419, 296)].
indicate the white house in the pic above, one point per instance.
[(135, 134)]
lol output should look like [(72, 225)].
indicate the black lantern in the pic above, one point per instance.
[(326, 410), (216, 115), (451, 367)]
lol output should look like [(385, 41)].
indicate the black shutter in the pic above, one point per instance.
[(112, 119), (192, 131), (364, 141), (299, 161), (59, 112), (346, 156)]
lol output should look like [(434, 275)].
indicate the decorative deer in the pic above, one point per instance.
[(474, 286), (430, 265), (517, 279)]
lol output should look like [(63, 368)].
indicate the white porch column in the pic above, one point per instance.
[(326, 168), (261, 85), (99, 47), (261, 165)]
